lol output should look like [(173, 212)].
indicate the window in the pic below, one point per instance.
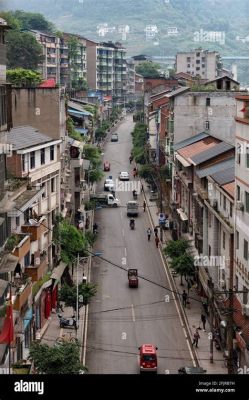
[(238, 192), (198, 62), (247, 201), (23, 162), (188, 65), (238, 155), (247, 157), (209, 251), (27, 260), (197, 54), (32, 159), (245, 295), (207, 125), (208, 101), (237, 240), (245, 249), (236, 283), (53, 185), (188, 59), (44, 194), (17, 221), (224, 203), (224, 240), (203, 65), (51, 153), (197, 68), (231, 209), (42, 156), (209, 219)]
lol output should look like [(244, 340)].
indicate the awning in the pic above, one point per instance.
[(182, 214), (58, 271), (78, 114), (3, 287), (24, 201), (8, 263), (82, 131), (182, 160), (27, 318)]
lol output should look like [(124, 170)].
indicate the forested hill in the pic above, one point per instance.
[(192, 18)]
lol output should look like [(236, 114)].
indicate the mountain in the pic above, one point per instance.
[(127, 21)]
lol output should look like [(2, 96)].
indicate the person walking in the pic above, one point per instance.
[(130, 158), (148, 233), (144, 206), (203, 320), (184, 298), (196, 338), (156, 231), (157, 241)]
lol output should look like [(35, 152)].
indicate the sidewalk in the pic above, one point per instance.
[(192, 314)]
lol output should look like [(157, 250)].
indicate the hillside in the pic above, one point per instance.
[(188, 16)]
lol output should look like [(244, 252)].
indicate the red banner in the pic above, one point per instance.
[(7, 334)]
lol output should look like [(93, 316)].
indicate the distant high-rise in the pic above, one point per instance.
[(203, 63)]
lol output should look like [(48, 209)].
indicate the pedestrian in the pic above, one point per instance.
[(157, 241), (131, 158), (142, 188), (203, 320), (148, 233), (184, 298), (156, 231), (144, 206), (196, 338)]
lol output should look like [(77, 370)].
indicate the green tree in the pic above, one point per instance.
[(71, 240), (72, 131), (12, 21), (68, 294), (30, 20), (61, 359), (139, 140), (176, 248), (93, 154), (149, 69), (183, 265), (23, 51), (23, 77)]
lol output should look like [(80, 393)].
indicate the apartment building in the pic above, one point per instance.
[(55, 51), (106, 70), (130, 68), (77, 59), (203, 63)]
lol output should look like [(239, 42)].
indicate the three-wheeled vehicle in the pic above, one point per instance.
[(132, 277)]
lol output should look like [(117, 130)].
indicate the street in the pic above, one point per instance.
[(123, 318)]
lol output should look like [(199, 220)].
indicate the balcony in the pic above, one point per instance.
[(202, 192), (23, 289), (38, 269), (185, 178), (22, 245), (34, 229)]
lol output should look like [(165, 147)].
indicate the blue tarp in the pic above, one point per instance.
[(79, 113), (27, 318)]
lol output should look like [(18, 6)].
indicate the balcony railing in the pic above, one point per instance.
[(38, 269), (23, 289), (23, 247)]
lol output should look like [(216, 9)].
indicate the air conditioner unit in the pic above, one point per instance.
[(240, 205), (245, 310)]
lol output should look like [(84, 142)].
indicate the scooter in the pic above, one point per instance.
[(132, 224), (67, 322)]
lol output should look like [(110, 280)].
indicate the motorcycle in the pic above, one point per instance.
[(132, 224), (134, 194), (67, 322)]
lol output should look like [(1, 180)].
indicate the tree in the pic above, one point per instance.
[(68, 294), (93, 154), (71, 240), (61, 359), (176, 248), (23, 51), (23, 77), (183, 265), (21, 20), (149, 69)]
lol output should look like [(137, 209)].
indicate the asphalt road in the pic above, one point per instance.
[(123, 318)]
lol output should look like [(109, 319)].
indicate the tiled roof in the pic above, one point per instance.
[(225, 176), (229, 188), (190, 140), (23, 137), (212, 152), (189, 151), (219, 166), (178, 91)]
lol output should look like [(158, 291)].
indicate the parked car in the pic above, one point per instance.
[(114, 137), (124, 176), (109, 184), (148, 358), (107, 166)]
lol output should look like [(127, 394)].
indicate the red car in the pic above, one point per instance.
[(148, 358), (107, 166)]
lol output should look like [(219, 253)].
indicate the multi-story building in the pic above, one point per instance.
[(77, 59), (130, 68), (106, 72), (55, 51), (203, 63)]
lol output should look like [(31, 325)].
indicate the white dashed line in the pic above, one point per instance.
[(133, 313)]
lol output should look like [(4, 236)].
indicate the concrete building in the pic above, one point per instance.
[(55, 51), (130, 68), (106, 72), (203, 63), (77, 59)]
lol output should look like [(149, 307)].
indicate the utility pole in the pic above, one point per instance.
[(230, 361), (77, 294), (211, 359)]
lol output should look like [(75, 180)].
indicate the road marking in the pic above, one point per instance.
[(125, 252), (123, 232), (133, 313), (121, 214), (175, 301)]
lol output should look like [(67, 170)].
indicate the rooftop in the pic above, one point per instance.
[(23, 137), (212, 152), (225, 176), (202, 145)]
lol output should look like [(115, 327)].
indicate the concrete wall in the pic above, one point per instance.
[(42, 108), (191, 114)]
